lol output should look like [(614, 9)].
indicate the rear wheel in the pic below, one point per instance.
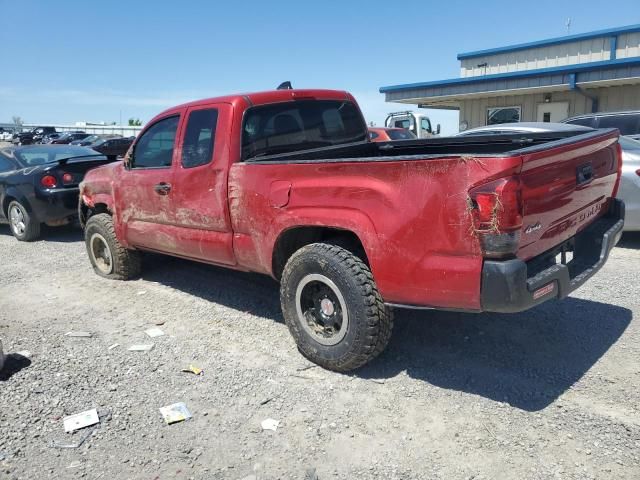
[(332, 307), (23, 226), (108, 257)]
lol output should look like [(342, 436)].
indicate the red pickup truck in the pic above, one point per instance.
[(287, 183)]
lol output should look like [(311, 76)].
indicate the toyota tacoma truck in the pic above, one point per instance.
[(288, 184)]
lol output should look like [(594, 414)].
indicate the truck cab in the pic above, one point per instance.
[(418, 123)]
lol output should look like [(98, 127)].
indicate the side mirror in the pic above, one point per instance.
[(128, 159), (438, 129)]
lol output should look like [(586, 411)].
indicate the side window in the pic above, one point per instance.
[(197, 148), (498, 115), (584, 121), (373, 135), (155, 147), (425, 124), (627, 124)]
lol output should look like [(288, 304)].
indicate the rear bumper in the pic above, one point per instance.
[(55, 204), (515, 285)]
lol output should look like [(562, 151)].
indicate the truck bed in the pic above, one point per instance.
[(476, 145)]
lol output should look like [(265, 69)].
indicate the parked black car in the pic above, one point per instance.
[(627, 122), (39, 184), (32, 136), (88, 140), (112, 147), (69, 137)]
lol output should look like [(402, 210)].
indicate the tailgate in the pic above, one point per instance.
[(566, 185)]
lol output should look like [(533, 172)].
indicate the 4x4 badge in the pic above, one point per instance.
[(533, 228)]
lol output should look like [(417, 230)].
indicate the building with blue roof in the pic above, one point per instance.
[(545, 81)]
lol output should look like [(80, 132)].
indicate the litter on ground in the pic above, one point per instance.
[(141, 348), (154, 332), (193, 369), (80, 420), (79, 334), (178, 412), (270, 424)]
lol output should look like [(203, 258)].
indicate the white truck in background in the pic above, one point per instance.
[(418, 123)]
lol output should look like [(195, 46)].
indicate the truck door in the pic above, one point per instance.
[(144, 192), (199, 202)]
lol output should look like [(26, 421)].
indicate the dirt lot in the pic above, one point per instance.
[(551, 393)]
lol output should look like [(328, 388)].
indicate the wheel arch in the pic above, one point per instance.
[(294, 238)]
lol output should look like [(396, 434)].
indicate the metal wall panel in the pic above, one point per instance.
[(624, 97), (585, 51), (628, 45)]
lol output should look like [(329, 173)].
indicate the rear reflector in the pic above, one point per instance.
[(48, 181), (541, 292)]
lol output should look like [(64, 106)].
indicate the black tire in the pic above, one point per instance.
[(23, 225), (114, 261), (303, 288)]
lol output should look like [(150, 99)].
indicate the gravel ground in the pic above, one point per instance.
[(550, 393)]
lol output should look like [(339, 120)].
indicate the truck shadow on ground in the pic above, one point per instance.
[(248, 292), (13, 363), (630, 240), (527, 359)]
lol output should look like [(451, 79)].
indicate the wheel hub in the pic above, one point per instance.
[(101, 253), (17, 220), (322, 309)]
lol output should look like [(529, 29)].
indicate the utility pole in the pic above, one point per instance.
[(568, 25)]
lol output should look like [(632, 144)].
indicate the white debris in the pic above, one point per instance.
[(154, 332), (270, 424), (80, 420), (141, 347)]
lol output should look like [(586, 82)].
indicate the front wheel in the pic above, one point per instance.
[(332, 307), (23, 226), (108, 257)]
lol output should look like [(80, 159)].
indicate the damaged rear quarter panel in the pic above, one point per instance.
[(410, 215)]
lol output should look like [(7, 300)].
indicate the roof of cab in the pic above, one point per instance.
[(261, 98)]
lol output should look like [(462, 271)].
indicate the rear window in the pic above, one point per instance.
[(300, 125), (627, 124), (400, 135), (584, 121), (32, 156)]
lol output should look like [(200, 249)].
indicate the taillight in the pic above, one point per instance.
[(619, 170), (48, 181), (638, 172), (67, 178), (496, 211)]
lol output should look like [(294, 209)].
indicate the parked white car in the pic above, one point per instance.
[(5, 136)]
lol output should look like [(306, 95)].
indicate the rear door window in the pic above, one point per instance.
[(300, 125), (627, 124), (197, 148)]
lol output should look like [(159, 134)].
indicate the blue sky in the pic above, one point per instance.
[(68, 61)]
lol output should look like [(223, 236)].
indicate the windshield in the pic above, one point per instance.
[(90, 138), (629, 144), (300, 125), (32, 156)]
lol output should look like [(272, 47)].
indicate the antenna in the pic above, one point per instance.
[(568, 25), (285, 86)]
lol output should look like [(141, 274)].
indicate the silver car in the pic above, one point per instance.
[(629, 191)]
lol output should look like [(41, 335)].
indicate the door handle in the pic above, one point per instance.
[(162, 188)]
